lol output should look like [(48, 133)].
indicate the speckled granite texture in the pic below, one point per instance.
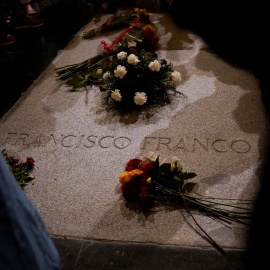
[(219, 132)]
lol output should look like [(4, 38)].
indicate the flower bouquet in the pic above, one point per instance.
[(20, 170), (149, 180), (139, 35), (128, 70), (138, 78), (120, 19)]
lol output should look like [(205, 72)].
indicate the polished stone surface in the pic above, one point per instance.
[(221, 73), (80, 148)]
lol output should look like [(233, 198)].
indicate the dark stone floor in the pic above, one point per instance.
[(230, 31), (88, 254)]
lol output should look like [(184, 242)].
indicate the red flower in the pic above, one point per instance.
[(133, 164), (149, 166), (149, 33), (142, 181), (144, 194), (132, 50), (144, 17), (130, 191), (30, 162), (153, 43)]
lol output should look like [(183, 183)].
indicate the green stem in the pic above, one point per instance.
[(219, 203), (222, 213), (209, 237)]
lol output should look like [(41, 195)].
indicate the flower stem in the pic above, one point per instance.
[(201, 228)]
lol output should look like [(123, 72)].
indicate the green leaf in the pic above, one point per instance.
[(165, 167), (164, 181), (178, 183), (99, 71), (75, 83), (77, 77), (186, 175), (72, 82)]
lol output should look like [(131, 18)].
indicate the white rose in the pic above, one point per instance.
[(132, 44), (176, 76), (133, 59), (148, 157), (140, 98), (116, 95), (122, 55), (120, 71), (106, 75), (154, 66), (174, 161)]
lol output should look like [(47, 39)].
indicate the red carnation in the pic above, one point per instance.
[(133, 164), (133, 50), (149, 33), (144, 17), (144, 194), (143, 179), (30, 162), (149, 166), (130, 191), (153, 43)]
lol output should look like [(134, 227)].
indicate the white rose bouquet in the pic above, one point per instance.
[(138, 78)]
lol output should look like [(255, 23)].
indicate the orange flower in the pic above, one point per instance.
[(129, 175)]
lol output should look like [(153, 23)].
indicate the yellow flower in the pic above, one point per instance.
[(148, 181), (129, 175), (148, 26), (138, 10), (143, 10)]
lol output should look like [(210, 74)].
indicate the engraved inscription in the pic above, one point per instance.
[(239, 146), (67, 140), (181, 144)]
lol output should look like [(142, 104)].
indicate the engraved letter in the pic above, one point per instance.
[(23, 137), (64, 138), (79, 143), (182, 144), (89, 140), (123, 143), (146, 141), (101, 139), (166, 141), (219, 149), (240, 146), (36, 140), (9, 137), (204, 146), (56, 141)]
